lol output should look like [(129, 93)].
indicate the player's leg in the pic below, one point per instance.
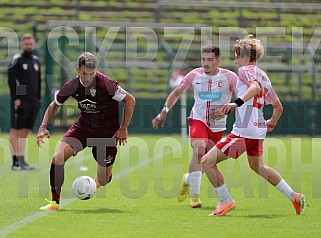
[(29, 115), (57, 174), (14, 141), (104, 175), (231, 146), (211, 159), (22, 149), (194, 177), (192, 180), (215, 176), (273, 177), (105, 160)]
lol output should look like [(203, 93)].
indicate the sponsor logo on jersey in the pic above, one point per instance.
[(260, 124), (210, 96), (88, 106)]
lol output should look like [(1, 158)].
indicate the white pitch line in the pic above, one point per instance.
[(17, 225)]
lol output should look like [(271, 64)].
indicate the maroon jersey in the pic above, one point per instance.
[(98, 103)]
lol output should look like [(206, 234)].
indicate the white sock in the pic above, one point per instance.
[(186, 181), (195, 179), (222, 194), (284, 188)]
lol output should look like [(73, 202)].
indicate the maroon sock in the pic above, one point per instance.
[(57, 176)]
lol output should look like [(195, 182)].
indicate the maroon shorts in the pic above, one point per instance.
[(233, 146), (199, 131), (103, 146)]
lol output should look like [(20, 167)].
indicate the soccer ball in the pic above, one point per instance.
[(84, 187)]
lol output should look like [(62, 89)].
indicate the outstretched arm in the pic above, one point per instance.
[(170, 102), (49, 115)]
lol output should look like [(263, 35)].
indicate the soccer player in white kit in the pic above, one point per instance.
[(213, 87), (253, 90)]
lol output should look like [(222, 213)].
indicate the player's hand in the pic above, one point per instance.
[(121, 136), (160, 118), (217, 113), (42, 132), (270, 125), (229, 107), (17, 103)]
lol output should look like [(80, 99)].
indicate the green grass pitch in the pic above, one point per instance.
[(141, 200)]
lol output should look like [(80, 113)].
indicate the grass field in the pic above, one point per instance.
[(141, 200)]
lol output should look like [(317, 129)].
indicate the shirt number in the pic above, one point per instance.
[(258, 100)]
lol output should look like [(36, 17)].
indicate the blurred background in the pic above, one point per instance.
[(142, 44)]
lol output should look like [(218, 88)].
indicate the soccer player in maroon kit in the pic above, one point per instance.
[(98, 126)]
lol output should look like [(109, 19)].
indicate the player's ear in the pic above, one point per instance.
[(78, 69)]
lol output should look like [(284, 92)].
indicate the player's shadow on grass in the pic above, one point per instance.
[(264, 216), (239, 211), (98, 210)]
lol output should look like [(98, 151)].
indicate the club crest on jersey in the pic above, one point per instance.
[(25, 66), (92, 92), (219, 84), (36, 67)]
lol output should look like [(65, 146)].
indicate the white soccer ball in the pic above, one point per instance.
[(84, 187)]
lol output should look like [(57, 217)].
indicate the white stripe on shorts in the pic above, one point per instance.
[(225, 147)]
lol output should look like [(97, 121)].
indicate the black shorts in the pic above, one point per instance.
[(24, 116)]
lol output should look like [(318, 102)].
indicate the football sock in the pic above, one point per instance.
[(284, 188), (186, 181), (21, 159), (56, 180), (15, 160), (195, 179), (222, 194)]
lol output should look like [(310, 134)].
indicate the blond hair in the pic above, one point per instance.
[(27, 37), (250, 47)]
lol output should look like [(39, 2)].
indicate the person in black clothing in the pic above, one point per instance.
[(24, 79)]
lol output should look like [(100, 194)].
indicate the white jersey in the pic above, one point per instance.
[(210, 91), (249, 119)]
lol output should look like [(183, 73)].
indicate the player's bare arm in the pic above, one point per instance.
[(253, 90), (277, 111), (122, 133), (49, 115), (170, 102)]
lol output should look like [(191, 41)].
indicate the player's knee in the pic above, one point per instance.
[(58, 159), (256, 168)]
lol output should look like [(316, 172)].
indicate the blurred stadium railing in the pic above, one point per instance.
[(293, 67)]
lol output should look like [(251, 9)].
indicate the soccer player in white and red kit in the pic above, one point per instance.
[(98, 126), (253, 90), (213, 87)]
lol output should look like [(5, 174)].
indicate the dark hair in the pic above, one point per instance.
[(212, 49), (88, 60)]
